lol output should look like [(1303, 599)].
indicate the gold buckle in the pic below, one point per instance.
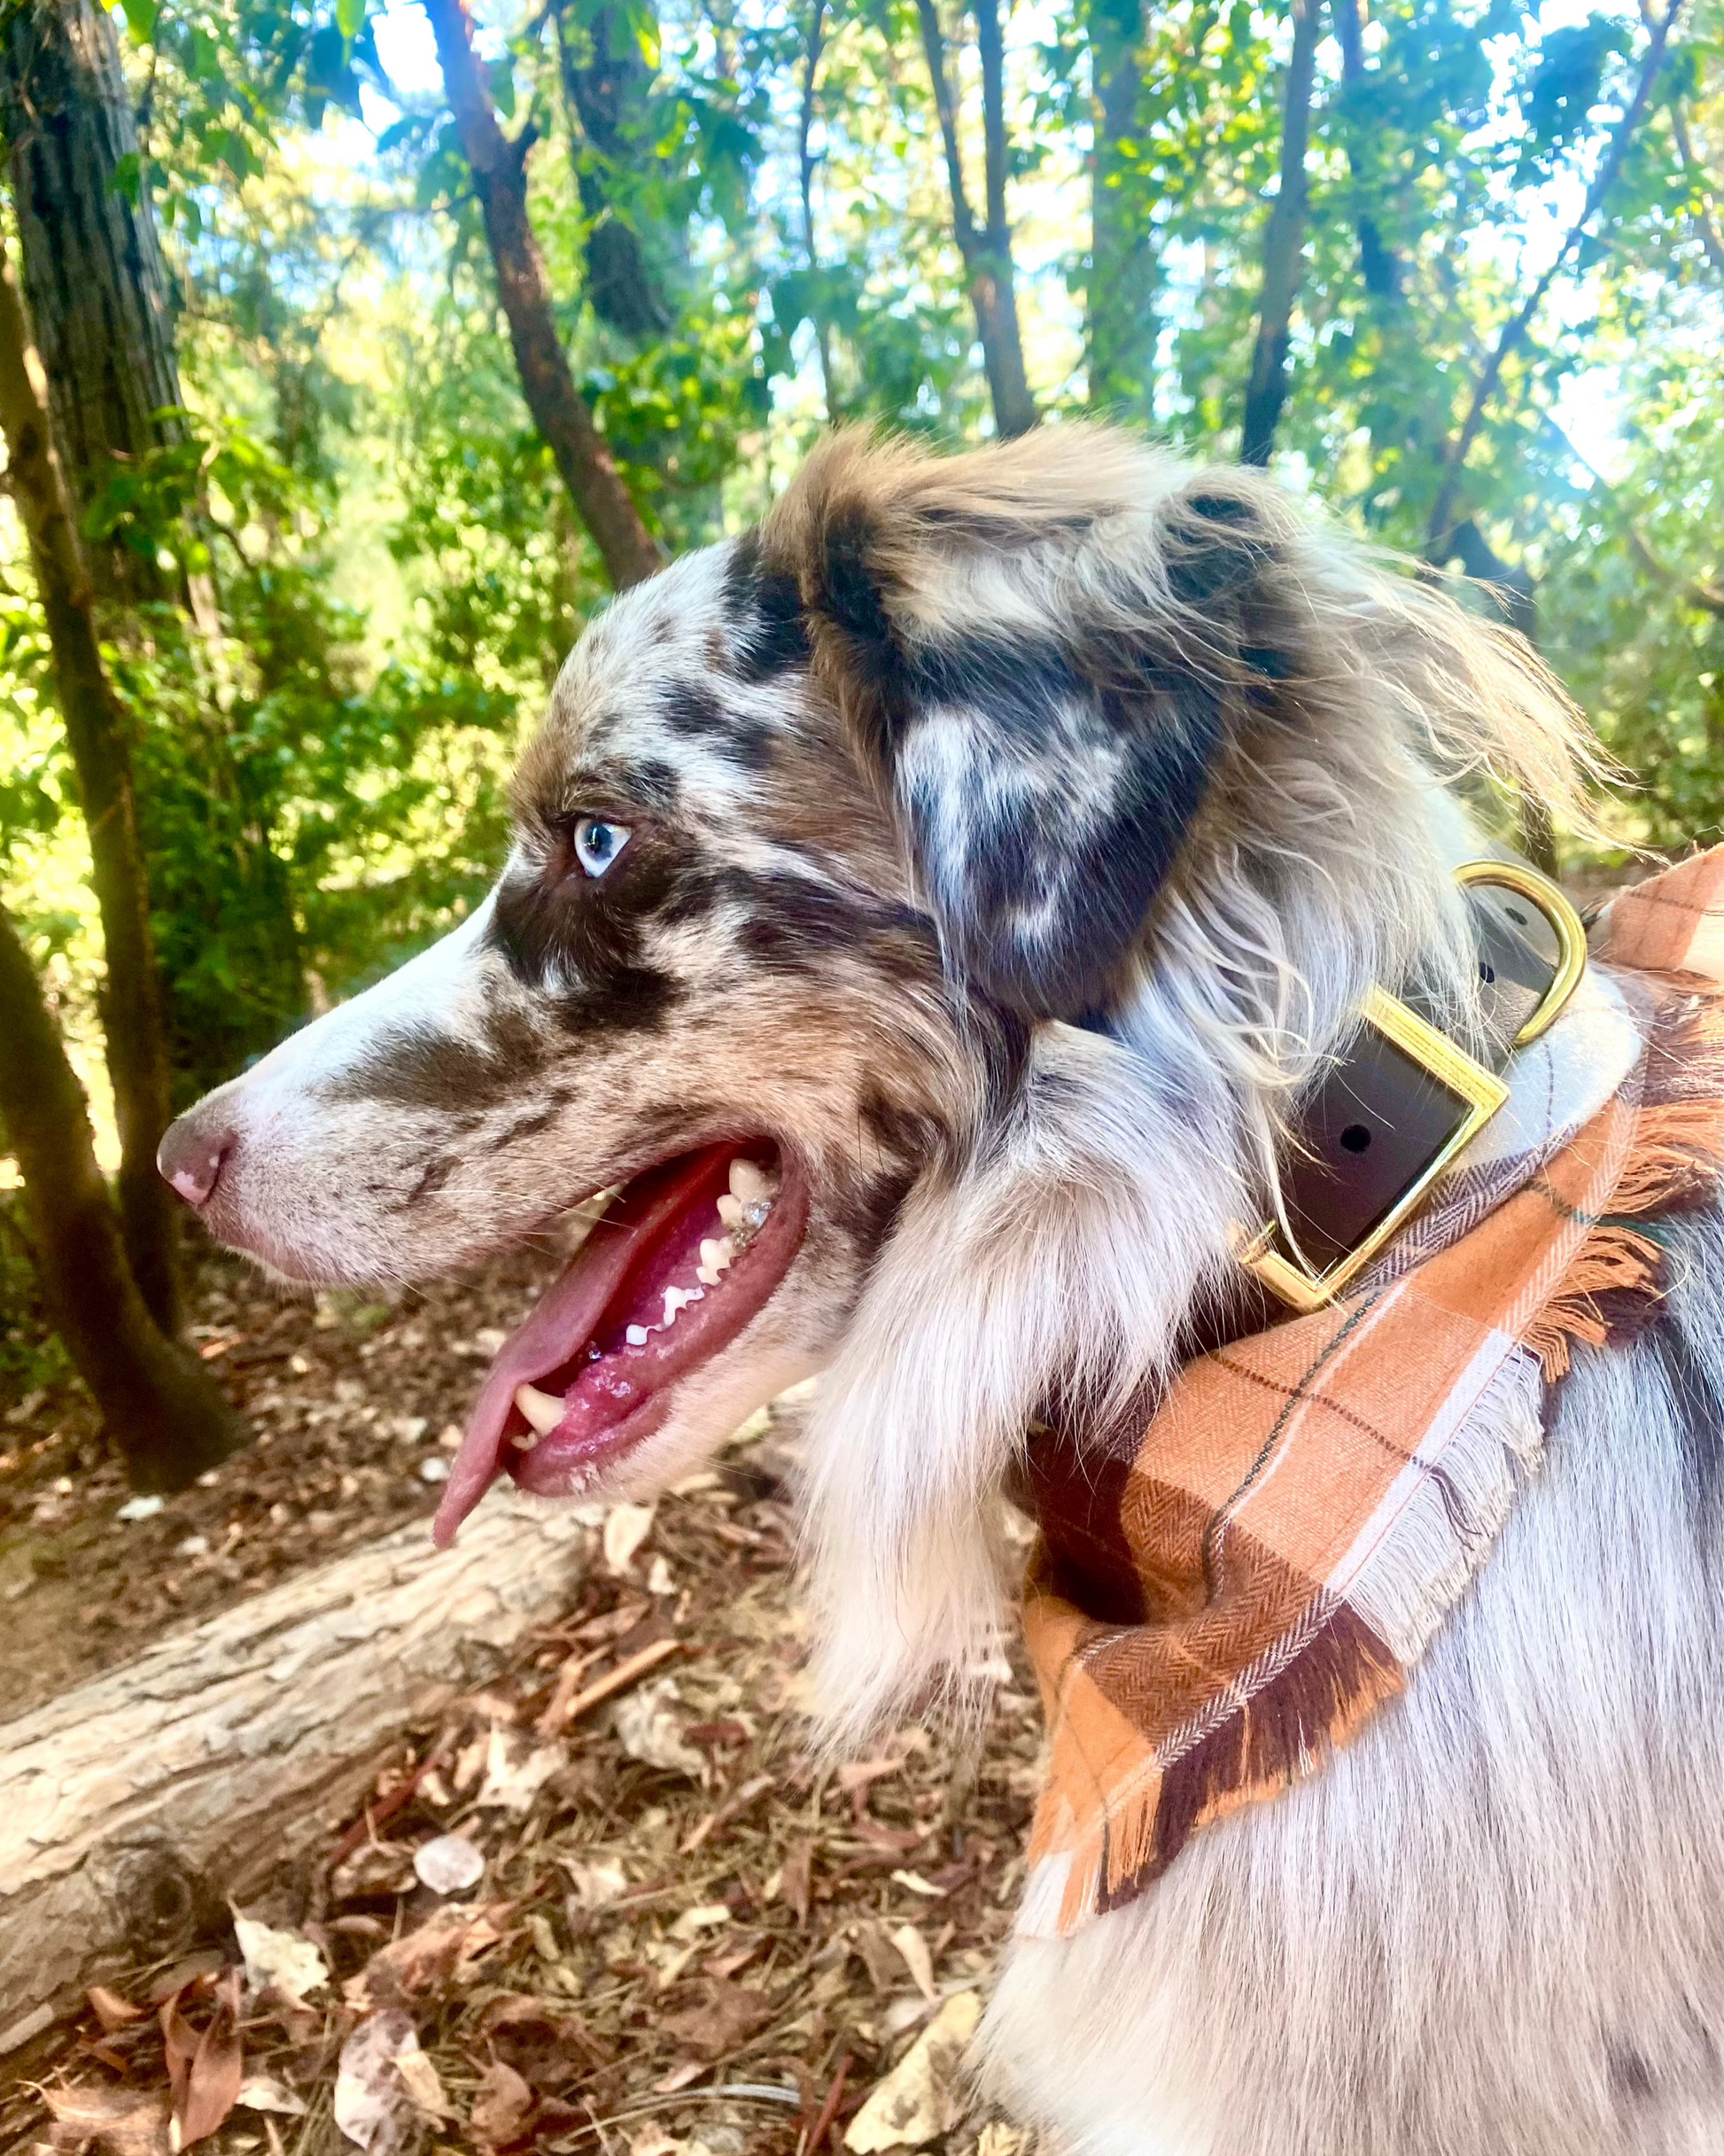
[(1480, 1092)]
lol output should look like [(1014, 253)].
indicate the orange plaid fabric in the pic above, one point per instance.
[(1213, 1606)]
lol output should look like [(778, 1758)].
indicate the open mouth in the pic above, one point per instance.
[(681, 1259)]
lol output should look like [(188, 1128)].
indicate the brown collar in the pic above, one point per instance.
[(1393, 1112)]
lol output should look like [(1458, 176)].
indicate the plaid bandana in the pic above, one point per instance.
[(1218, 1601)]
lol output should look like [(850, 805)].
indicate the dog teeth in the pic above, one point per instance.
[(678, 1299), (543, 1409), (635, 1336), (750, 1183), (744, 1208), (716, 1254)]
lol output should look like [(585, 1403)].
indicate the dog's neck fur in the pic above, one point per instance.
[(1082, 1232)]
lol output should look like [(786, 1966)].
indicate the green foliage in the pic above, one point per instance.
[(388, 571)]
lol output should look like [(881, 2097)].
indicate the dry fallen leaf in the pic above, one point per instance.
[(596, 1884), (419, 2079), (264, 2092), (651, 1731), (999, 2139), (443, 1948), (285, 1959), (373, 2105), (375, 1867), (448, 1863), (205, 2067), (910, 1943), (109, 2009), (727, 2015), (796, 1880), (921, 2097), (516, 1769), (122, 2120), (544, 2047), (503, 2108), (625, 1527)]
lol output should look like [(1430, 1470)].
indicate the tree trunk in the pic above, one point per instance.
[(132, 1805), (162, 1408), (92, 271), (1283, 247), (499, 167), (1437, 544), (987, 256), (1702, 203), (95, 729), (811, 78), (1378, 265), (1120, 301), (605, 87)]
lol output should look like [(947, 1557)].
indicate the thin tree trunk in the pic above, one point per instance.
[(1378, 265), (95, 729), (1283, 247), (811, 76), (1702, 208), (499, 167), (162, 1409), (605, 90), (987, 256), (1120, 299), (1456, 448), (93, 272)]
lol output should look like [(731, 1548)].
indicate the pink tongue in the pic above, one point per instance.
[(562, 1323)]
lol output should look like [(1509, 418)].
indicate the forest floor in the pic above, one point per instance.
[(680, 1938), (357, 1404)]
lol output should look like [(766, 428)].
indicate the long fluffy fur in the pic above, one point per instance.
[(1074, 1238), (1017, 834)]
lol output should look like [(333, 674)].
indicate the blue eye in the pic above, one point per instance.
[(597, 844)]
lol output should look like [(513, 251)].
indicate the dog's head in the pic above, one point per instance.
[(912, 905)]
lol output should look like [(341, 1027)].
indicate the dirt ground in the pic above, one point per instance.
[(357, 1404), (678, 1937)]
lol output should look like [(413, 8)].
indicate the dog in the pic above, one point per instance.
[(927, 912)]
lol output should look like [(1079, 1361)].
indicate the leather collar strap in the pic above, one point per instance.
[(1391, 1114)]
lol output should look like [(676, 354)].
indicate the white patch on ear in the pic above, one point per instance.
[(999, 828)]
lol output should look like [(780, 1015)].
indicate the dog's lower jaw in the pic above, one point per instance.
[(1494, 1924)]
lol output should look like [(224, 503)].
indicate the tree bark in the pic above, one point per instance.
[(96, 732), (805, 161), (132, 1805), (1378, 265), (162, 1409), (1702, 205), (93, 272), (1513, 331), (605, 90), (1121, 298), (987, 256), (499, 167), (1283, 247)]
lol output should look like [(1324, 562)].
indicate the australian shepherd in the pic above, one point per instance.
[(924, 914)]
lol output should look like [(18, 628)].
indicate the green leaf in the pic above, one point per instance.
[(127, 178), (350, 18), (141, 16)]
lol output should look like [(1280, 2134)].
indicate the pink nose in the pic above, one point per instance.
[(191, 1154)]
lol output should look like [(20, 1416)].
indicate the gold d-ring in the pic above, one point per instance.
[(1565, 925)]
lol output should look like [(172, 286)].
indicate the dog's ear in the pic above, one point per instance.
[(1041, 650)]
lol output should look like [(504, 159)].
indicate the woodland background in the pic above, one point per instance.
[(378, 344)]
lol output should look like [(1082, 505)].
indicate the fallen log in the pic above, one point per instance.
[(131, 1806)]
